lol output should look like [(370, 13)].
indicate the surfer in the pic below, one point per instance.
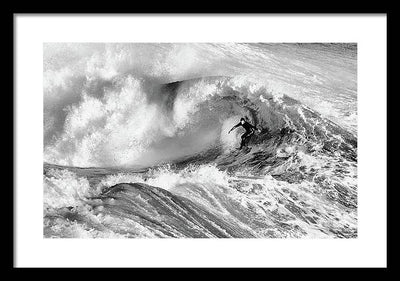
[(250, 129)]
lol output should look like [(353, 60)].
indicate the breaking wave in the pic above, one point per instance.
[(134, 126), (134, 155)]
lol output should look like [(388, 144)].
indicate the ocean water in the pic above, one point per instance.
[(136, 141)]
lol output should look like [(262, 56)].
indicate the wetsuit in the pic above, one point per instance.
[(249, 131)]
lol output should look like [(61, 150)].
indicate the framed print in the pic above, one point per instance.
[(191, 141)]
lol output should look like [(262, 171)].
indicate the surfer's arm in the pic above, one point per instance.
[(234, 127)]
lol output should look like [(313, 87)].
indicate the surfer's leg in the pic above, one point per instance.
[(247, 138), (243, 140)]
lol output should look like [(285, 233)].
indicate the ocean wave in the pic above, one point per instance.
[(133, 126), (199, 201), (138, 146)]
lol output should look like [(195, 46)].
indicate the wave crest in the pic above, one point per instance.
[(135, 124)]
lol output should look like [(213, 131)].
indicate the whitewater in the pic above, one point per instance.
[(136, 141)]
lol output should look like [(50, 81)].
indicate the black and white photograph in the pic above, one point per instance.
[(200, 140)]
